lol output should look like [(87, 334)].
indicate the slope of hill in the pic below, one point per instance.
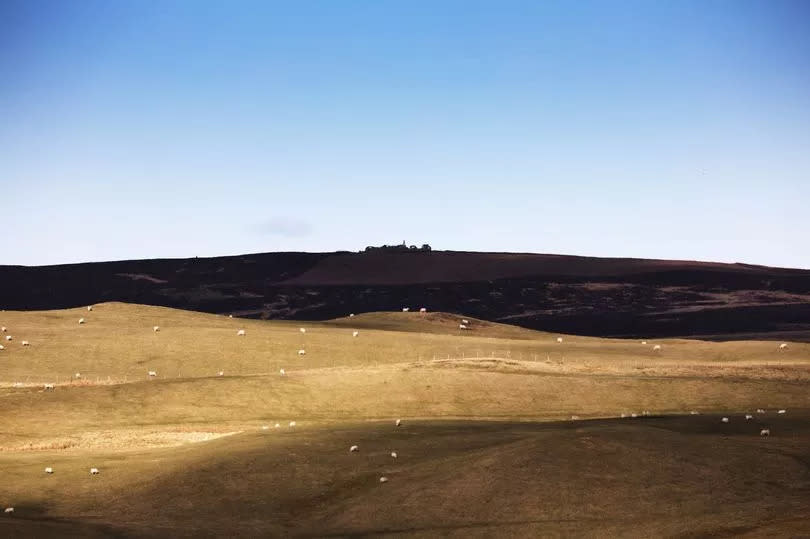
[(570, 294)]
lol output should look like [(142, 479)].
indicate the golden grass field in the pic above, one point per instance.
[(487, 446)]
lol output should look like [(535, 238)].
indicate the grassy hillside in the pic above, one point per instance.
[(529, 470)]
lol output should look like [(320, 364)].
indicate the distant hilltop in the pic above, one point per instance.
[(619, 297)]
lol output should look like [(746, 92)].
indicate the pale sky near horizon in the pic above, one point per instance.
[(144, 129)]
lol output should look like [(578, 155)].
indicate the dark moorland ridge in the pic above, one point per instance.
[(618, 297)]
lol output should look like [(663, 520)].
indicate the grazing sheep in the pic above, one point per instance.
[(48, 470), (81, 321), (462, 326), (156, 329), (760, 411), (354, 449), (240, 333), (302, 352), (783, 346), (559, 340), (4, 329), (574, 417), (657, 348), (89, 307), (765, 432), (25, 343), (643, 342), (422, 310), (48, 387), (2, 347), (221, 373), (282, 372), (693, 412), (93, 471), (78, 375), (292, 424), (393, 454), (355, 333), (152, 374), (383, 479), (351, 315), (406, 309), (230, 316), (781, 411), (465, 321), (748, 417), (398, 422), (724, 420), (8, 337), (8, 510), (302, 330)]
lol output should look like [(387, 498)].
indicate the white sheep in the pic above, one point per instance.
[(783, 346), (152, 374), (221, 373), (354, 449), (282, 372), (302, 352), (765, 432), (48, 387), (89, 307), (25, 343), (4, 329), (398, 422), (406, 309), (383, 479), (240, 333), (422, 310), (760, 411), (559, 340), (355, 333), (393, 454), (574, 417), (8, 337), (8, 510), (462, 326), (2, 347), (302, 330), (781, 412), (623, 415), (693, 412), (351, 315), (81, 321), (93, 471), (292, 424), (156, 329), (48, 470), (657, 348), (230, 316), (276, 426), (643, 342), (724, 420), (465, 321), (78, 375), (748, 417)]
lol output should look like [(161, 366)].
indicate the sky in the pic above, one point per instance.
[(653, 129)]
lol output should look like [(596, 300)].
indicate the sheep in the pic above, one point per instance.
[(462, 326), (8, 337), (748, 417), (783, 346), (77, 375), (302, 352), (8, 510), (292, 424), (724, 420), (393, 454), (355, 333), (657, 348), (282, 372), (623, 415), (383, 479), (354, 449), (81, 321), (302, 330), (465, 321), (152, 374), (693, 412), (406, 309), (398, 422), (781, 412), (4, 329), (25, 343), (2, 347), (230, 316), (351, 315), (422, 310), (240, 333), (93, 471), (89, 308), (221, 373), (265, 427), (559, 340), (633, 415), (574, 417), (48, 387), (156, 329), (48, 470), (643, 342), (765, 432), (276, 426)]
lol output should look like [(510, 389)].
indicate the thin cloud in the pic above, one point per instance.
[(283, 226)]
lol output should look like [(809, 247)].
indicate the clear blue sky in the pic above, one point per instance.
[(139, 129)]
